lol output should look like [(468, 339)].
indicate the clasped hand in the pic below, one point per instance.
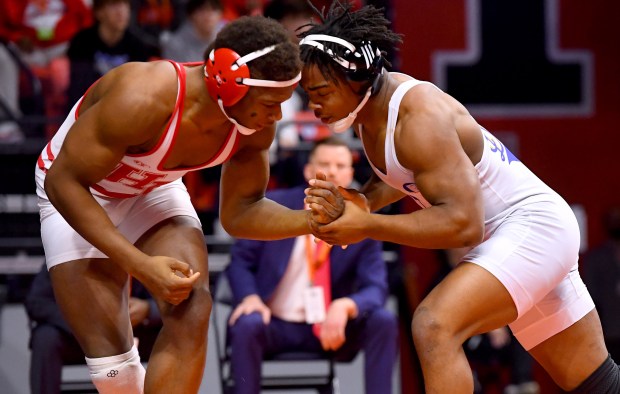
[(338, 216), (167, 278)]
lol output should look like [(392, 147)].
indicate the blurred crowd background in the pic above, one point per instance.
[(542, 75)]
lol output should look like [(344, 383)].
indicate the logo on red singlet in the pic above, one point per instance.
[(135, 178)]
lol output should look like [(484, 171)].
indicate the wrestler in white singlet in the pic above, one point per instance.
[(137, 194), (531, 239)]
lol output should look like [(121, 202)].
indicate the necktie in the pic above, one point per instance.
[(320, 275)]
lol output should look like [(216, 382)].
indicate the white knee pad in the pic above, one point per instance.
[(121, 374)]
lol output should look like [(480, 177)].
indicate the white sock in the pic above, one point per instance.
[(120, 374)]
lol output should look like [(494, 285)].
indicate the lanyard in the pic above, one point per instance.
[(316, 256)]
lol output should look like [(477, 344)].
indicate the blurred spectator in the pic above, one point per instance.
[(107, 44), (189, 42), (297, 122), (151, 18), (602, 276), (9, 94), (41, 30), (53, 344), (292, 14), (233, 9), (287, 165), (300, 295)]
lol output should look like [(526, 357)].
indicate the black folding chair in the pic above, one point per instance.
[(298, 378)]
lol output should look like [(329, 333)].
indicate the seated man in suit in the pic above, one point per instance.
[(52, 343), (279, 307)]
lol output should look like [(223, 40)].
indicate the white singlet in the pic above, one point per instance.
[(137, 173), (531, 239), (136, 195)]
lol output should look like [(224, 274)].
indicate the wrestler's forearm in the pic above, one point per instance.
[(264, 220), (432, 228), (378, 194)]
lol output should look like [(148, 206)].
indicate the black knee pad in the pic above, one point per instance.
[(605, 380)]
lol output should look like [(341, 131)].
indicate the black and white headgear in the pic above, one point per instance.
[(363, 63)]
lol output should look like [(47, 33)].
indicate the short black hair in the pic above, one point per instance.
[(193, 5), (251, 33), (327, 141), (366, 24)]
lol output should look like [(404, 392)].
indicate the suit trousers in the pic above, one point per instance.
[(251, 341)]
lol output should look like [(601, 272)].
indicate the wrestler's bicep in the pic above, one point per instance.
[(442, 171)]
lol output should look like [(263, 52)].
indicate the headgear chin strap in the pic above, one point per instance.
[(228, 79), (342, 125), (361, 64), (242, 129)]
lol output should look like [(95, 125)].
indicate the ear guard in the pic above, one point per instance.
[(373, 63), (363, 63), (227, 75), (222, 73)]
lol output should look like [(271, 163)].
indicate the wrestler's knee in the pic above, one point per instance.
[(199, 309), (604, 380), (430, 329)]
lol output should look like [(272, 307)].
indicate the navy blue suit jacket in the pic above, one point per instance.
[(357, 272)]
